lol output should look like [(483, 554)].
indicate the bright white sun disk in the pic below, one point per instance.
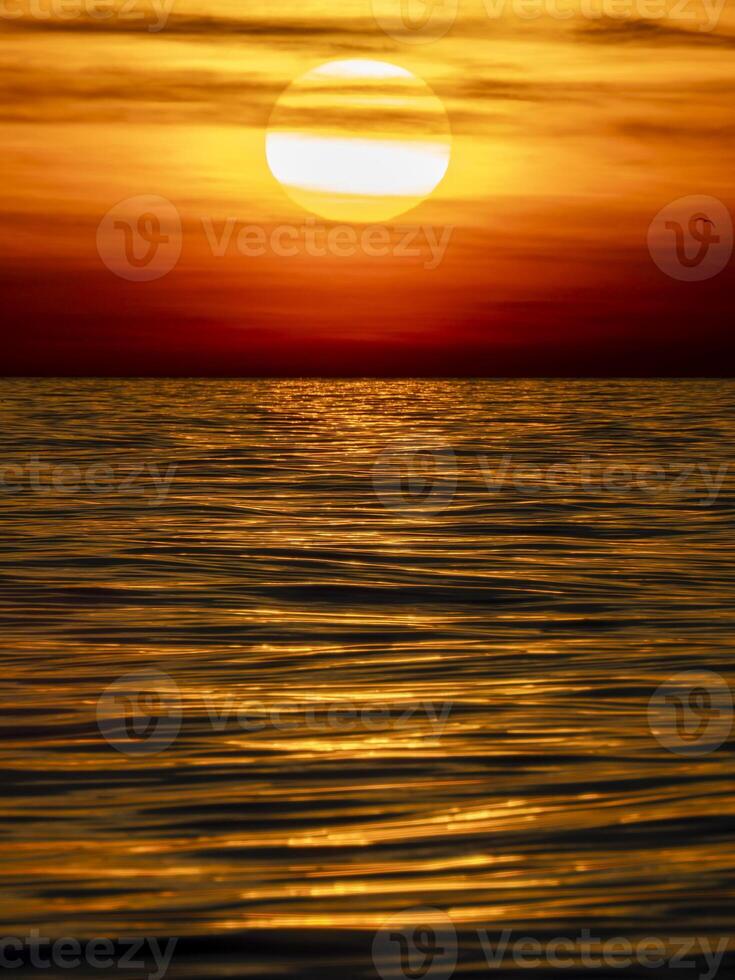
[(356, 166)]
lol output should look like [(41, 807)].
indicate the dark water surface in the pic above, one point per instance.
[(491, 631)]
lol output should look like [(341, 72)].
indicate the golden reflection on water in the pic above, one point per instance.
[(273, 574)]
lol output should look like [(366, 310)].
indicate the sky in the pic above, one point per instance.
[(568, 132)]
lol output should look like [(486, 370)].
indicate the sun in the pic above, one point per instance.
[(358, 141)]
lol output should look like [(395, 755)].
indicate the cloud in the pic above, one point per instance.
[(192, 27), (649, 33), (691, 133), (501, 90), (109, 95)]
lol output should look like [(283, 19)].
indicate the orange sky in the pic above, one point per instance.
[(569, 135)]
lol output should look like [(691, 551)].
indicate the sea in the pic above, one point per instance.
[(337, 679)]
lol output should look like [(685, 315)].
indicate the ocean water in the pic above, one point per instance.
[(283, 659)]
